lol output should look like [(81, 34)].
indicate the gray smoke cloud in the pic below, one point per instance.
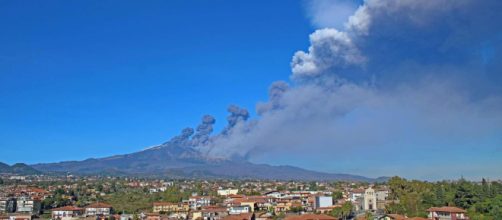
[(237, 114), (385, 39), (203, 131), (415, 77), (183, 139), (200, 137), (275, 93)]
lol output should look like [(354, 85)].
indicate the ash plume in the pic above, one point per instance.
[(237, 115), (414, 77), (183, 139), (203, 132), (275, 93)]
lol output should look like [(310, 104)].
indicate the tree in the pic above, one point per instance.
[(440, 196), (345, 211), (368, 215), (337, 212), (296, 209), (337, 195), (342, 212), (281, 215), (465, 195), (313, 186), (135, 217)]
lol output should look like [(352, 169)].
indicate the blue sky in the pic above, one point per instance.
[(375, 87), (84, 79)]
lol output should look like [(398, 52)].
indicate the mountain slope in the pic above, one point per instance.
[(185, 162), (247, 170), (152, 160), (18, 168)]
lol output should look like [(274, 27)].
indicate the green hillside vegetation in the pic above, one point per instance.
[(137, 200), (481, 200)]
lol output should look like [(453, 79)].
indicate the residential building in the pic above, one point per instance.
[(236, 210), (323, 202), (210, 213), (392, 217), (98, 209), (274, 194), (227, 192), (381, 195), (28, 205), (170, 207), (447, 213), (124, 217), (355, 194), (8, 205), (67, 212), (153, 216), (197, 202), (16, 216), (251, 203), (310, 217), (242, 216), (282, 206)]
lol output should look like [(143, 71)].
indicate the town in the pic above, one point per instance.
[(251, 110), (126, 198)]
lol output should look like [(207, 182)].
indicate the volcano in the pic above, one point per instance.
[(174, 161)]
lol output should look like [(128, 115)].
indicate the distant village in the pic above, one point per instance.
[(69, 197)]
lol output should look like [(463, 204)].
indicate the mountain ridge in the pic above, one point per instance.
[(175, 161), (18, 169)]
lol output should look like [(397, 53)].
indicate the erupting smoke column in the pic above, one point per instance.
[(401, 76), (275, 93), (237, 115), (200, 138), (204, 130)]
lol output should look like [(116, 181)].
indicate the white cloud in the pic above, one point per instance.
[(330, 13), (329, 48)]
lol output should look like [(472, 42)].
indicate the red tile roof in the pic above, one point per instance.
[(309, 217), (165, 204), (358, 190), (243, 216), (67, 208), (446, 209), (214, 209), (99, 205), (200, 197), (236, 196)]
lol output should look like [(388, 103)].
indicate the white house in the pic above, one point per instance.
[(67, 212), (197, 202), (274, 194), (381, 195), (236, 210), (98, 209), (28, 205), (7, 205), (323, 202), (447, 213), (226, 192), (356, 194)]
